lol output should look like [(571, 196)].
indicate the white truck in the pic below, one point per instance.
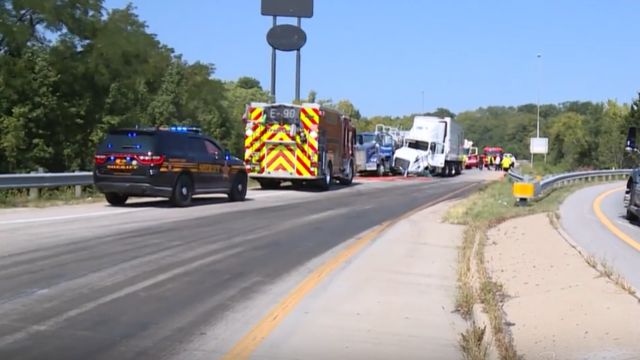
[(433, 144)]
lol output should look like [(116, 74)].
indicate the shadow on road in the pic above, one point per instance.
[(198, 200)]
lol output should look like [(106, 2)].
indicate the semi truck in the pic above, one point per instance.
[(374, 151), (632, 189), (434, 145), (303, 144)]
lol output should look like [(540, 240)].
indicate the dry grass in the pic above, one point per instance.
[(484, 209), (473, 344)]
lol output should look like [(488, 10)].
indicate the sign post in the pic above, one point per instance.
[(286, 37)]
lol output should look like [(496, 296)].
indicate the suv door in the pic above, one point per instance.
[(220, 170), (204, 176)]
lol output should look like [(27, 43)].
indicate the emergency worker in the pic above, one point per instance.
[(506, 163)]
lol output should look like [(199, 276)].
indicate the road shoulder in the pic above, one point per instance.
[(559, 306), (395, 299)]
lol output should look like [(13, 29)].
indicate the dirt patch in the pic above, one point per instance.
[(557, 305)]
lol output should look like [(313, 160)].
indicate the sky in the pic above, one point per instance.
[(407, 56)]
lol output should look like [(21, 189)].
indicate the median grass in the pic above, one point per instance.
[(489, 207)]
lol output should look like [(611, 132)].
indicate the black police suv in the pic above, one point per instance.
[(174, 162)]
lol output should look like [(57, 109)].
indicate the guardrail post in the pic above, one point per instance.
[(78, 188), (34, 193)]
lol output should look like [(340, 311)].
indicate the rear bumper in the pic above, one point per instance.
[(283, 177), (133, 189)]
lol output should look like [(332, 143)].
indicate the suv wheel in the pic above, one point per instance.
[(238, 190), (116, 199), (182, 191)]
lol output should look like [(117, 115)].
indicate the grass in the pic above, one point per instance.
[(473, 344), (487, 208), (60, 196), (48, 197)]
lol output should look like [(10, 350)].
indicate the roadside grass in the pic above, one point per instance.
[(49, 197), (484, 209), (16, 198)]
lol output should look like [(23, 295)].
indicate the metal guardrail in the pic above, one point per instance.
[(45, 180), (526, 187)]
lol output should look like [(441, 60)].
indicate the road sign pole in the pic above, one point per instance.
[(298, 67), (273, 67)]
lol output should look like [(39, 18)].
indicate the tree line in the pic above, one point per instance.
[(71, 70)]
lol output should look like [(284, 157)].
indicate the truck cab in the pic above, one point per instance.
[(374, 152), (632, 189), (433, 145)]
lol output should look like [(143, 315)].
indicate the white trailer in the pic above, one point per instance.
[(433, 144)]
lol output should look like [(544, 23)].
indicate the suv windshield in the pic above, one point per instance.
[(419, 145), (122, 141)]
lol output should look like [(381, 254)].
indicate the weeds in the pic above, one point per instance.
[(473, 344), (48, 197), (484, 209)]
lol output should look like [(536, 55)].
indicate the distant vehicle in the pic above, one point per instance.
[(374, 151), (632, 189), (433, 144), (302, 144), (490, 152), (174, 162), (471, 153)]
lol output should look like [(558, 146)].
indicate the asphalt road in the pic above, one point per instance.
[(147, 280), (579, 220)]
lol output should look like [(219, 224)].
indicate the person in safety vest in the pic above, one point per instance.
[(506, 163)]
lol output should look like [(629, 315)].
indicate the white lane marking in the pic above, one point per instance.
[(66, 217), (126, 291)]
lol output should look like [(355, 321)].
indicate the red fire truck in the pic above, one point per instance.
[(306, 143)]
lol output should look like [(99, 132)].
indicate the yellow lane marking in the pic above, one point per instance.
[(597, 208), (250, 341)]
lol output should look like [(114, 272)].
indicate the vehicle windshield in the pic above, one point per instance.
[(131, 141), (366, 138), (419, 145)]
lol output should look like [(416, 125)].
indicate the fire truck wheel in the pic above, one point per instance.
[(327, 179), (347, 178), (269, 184)]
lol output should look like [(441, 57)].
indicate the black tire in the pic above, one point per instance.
[(380, 170), (182, 192), (238, 191), (327, 178), (631, 216), (348, 179), (116, 199), (269, 184)]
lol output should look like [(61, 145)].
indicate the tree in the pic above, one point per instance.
[(247, 83)]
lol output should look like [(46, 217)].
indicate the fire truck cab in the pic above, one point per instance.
[(302, 144)]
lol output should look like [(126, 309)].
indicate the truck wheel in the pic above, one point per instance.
[(347, 179), (327, 179), (631, 216), (182, 192), (238, 191), (116, 199), (380, 170), (269, 184)]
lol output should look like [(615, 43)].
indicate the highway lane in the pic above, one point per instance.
[(144, 281), (578, 218)]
